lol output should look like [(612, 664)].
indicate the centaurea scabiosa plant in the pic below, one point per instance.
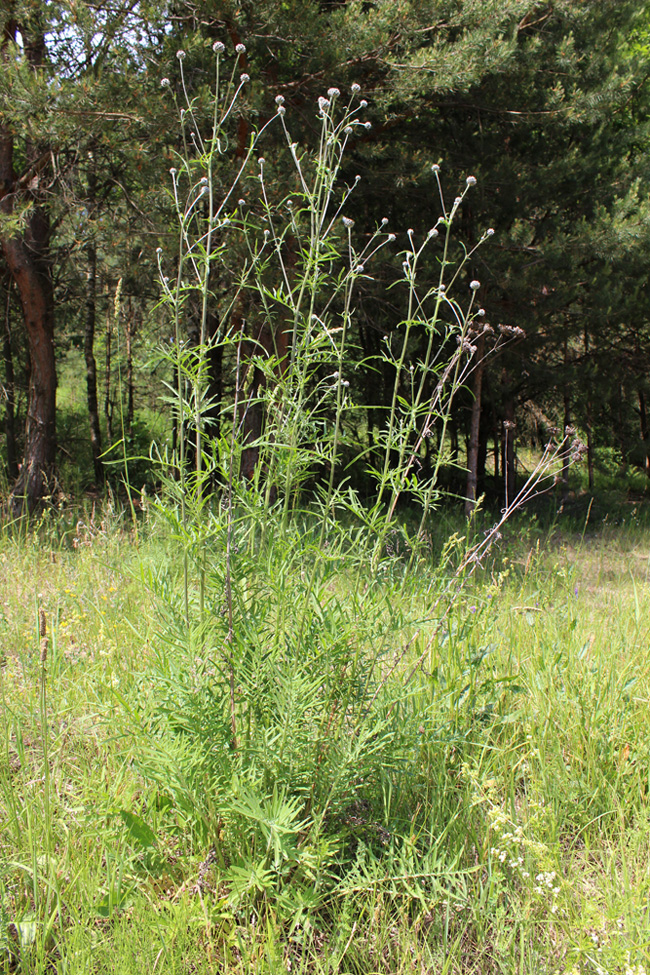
[(284, 706)]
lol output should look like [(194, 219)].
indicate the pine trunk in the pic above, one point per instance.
[(474, 430), (91, 365), (27, 260), (10, 394)]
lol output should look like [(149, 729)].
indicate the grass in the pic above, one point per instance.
[(511, 836)]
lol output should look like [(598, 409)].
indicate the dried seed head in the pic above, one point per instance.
[(180, 55), (244, 78), (42, 632), (347, 222), (218, 47), (281, 110), (355, 89), (333, 92), (279, 99), (165, 82), (240, 48)]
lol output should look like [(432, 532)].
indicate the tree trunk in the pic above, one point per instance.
[(589, 422), (27, 260), (567, 426), (129, 333), (508, 441), (590, 446), (108, 405), (10, 394), (91, 365), (474, 430), (643, 418), (89, 331)]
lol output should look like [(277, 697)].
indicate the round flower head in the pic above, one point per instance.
[(435, 168), (475, 285), (241, 203), (240, 48), (180, 55), (384, 221), (367, 125), (348, 130), (279, 99), (392, 237), (363, 103), (347, 222), (218, 47), (489, 232), (471, 180), (323, 104), (164, 82), (355, 88), (333, 92), (281, 110), (244, 78)]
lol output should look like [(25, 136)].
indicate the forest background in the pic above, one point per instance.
[(545, 104)]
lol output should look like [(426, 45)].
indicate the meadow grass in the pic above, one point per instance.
[(508, 833)]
